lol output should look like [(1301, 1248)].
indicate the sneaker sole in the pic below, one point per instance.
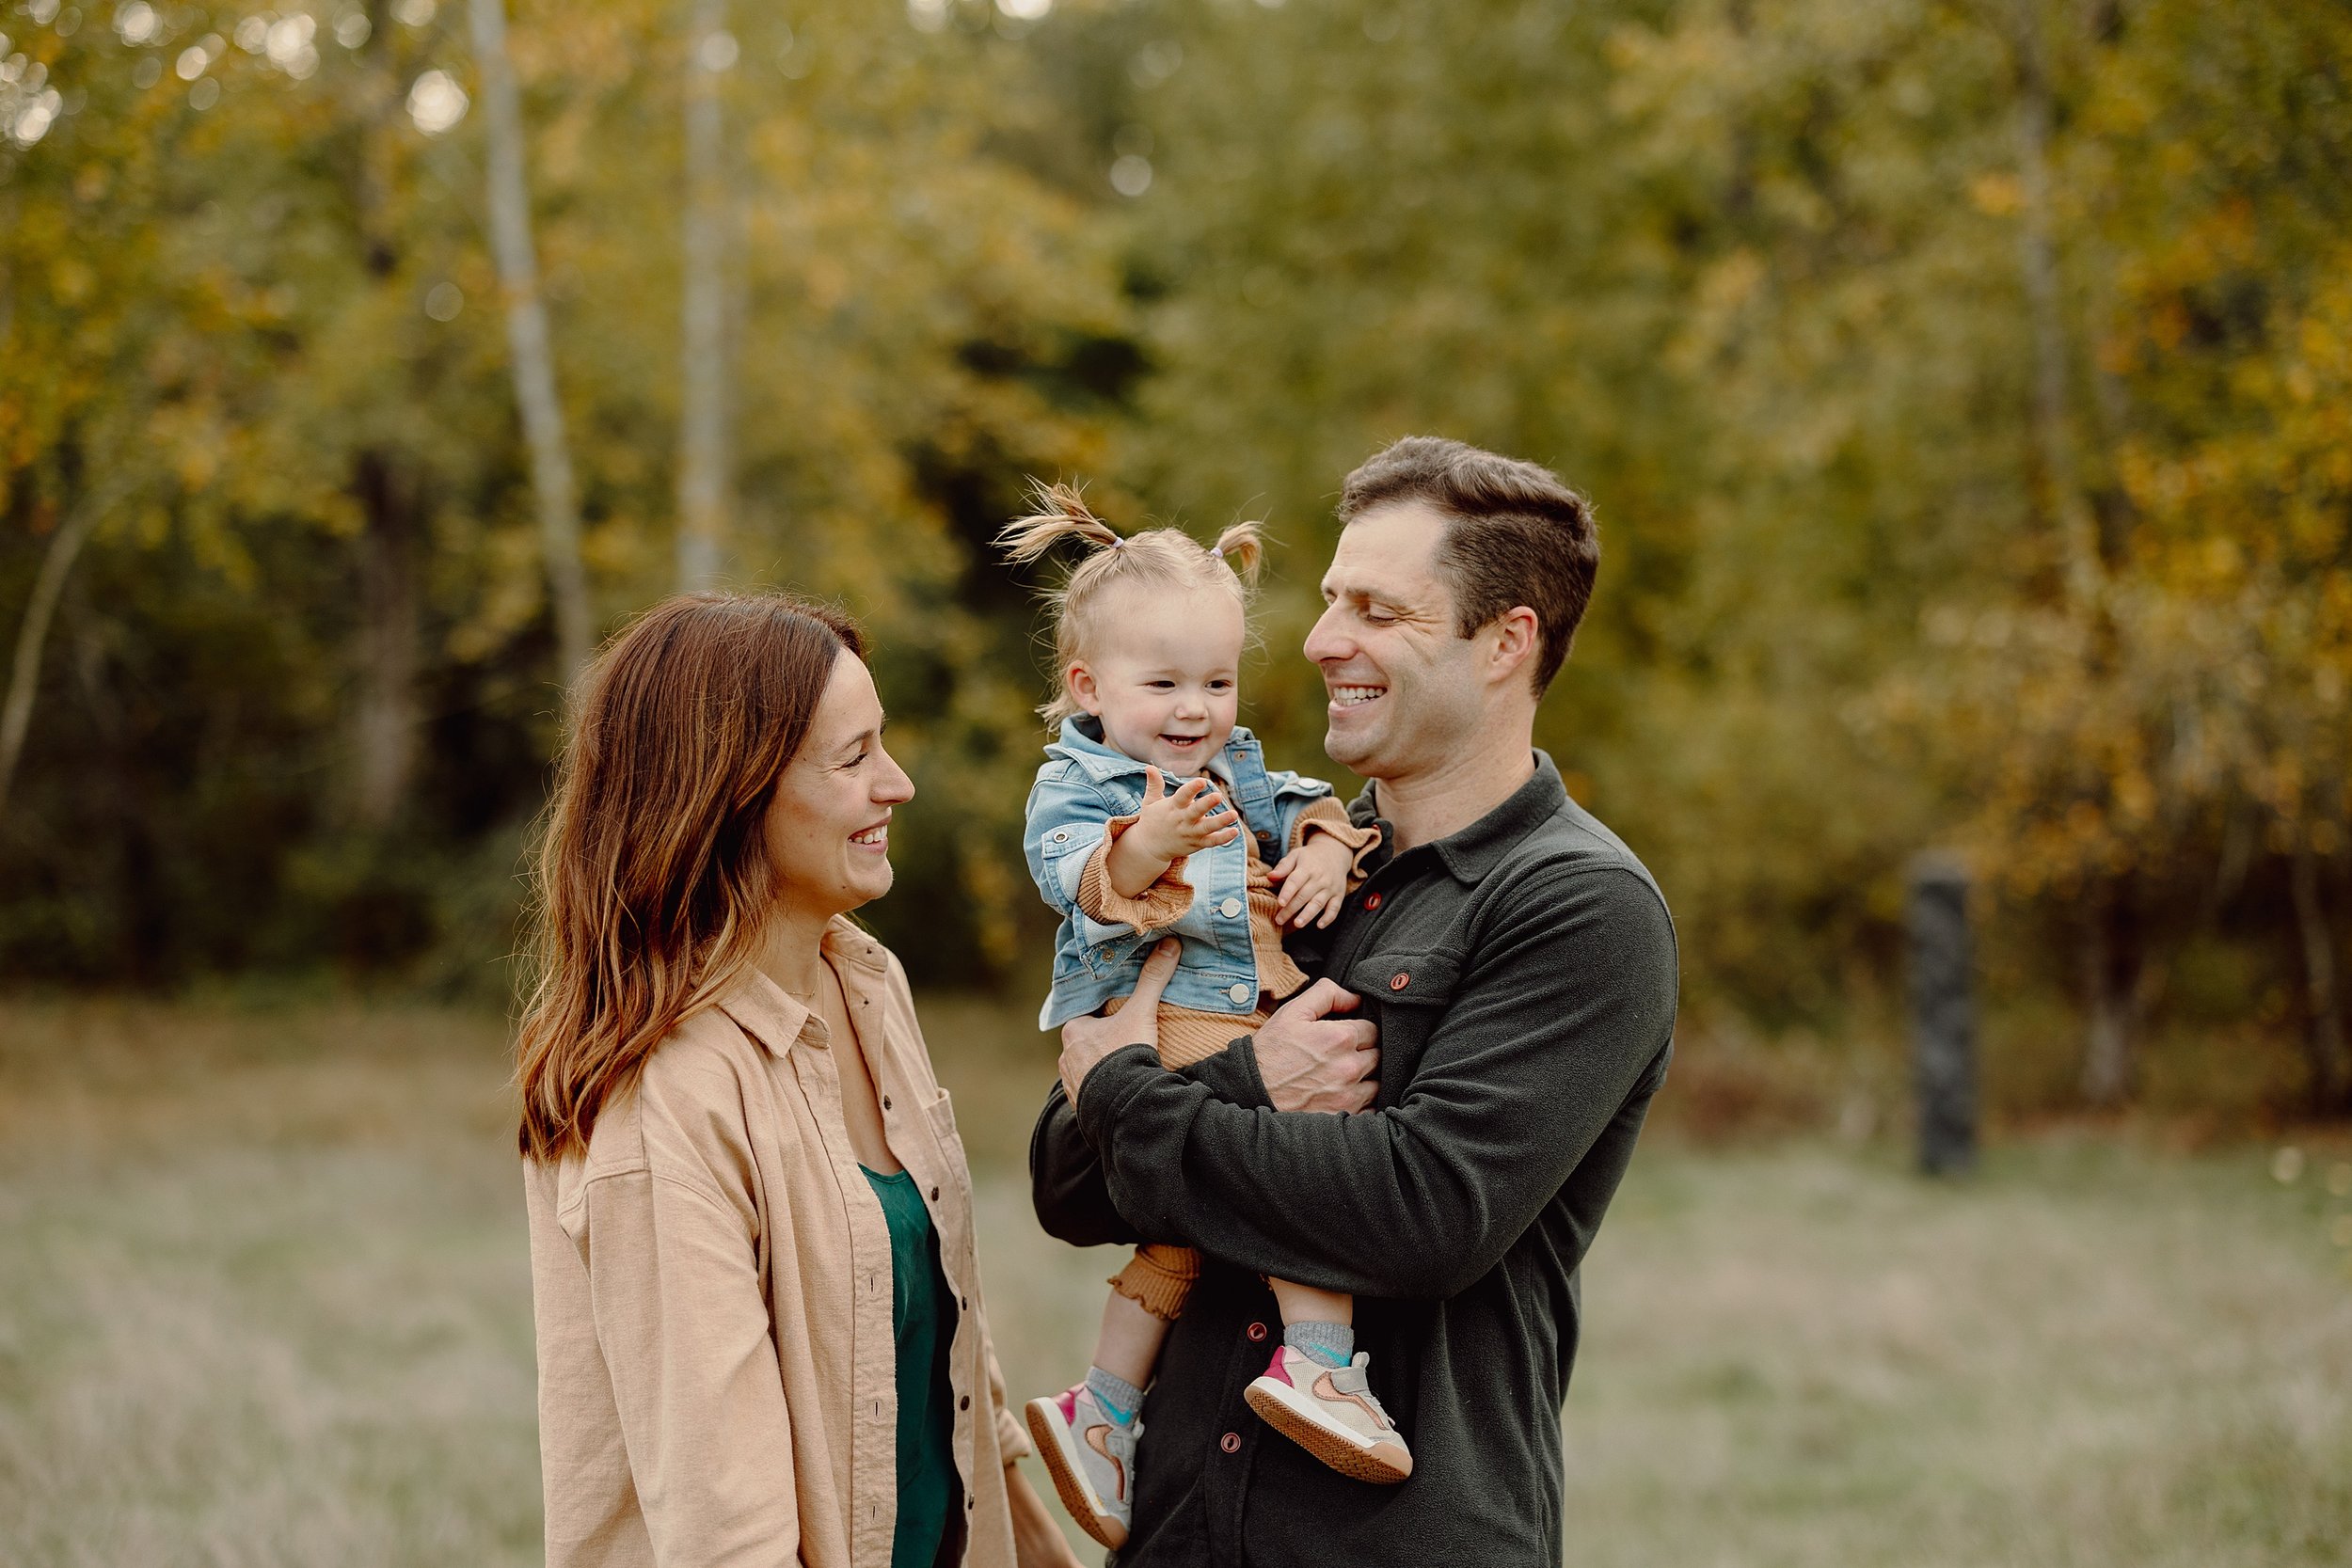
[(1382, 1463), (1057, 1445)]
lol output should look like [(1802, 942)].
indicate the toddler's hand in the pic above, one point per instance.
[(1313, 879), (1193, 818)]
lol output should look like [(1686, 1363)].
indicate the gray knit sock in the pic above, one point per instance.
[(1332, 1344), (1118, 1398)]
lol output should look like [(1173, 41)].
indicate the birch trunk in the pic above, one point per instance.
[(32, 633), (2038, 260), (527, 339), (702, 486)]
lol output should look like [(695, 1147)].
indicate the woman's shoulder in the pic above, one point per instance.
[(686, 1106)]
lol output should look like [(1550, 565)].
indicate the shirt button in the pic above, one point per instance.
[(1257, 1331), (1231, 1442), (934, 1195), (1229, 908), (886, 1102), (1371, 901), (1239, 991), (964, 1403)]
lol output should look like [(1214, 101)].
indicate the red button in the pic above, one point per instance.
[(1399, 982), (1257, 1331), (1371, 901), (1231, 1442)]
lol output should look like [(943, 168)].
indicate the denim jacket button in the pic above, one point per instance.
[(1239, 991), (1229, 908)]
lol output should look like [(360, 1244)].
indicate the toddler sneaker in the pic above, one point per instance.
[(1332, 1414), (1091, 1459)]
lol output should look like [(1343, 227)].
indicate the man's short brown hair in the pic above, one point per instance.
[(1515, 534)]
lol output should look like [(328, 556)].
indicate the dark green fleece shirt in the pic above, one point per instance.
[(1522, 973)]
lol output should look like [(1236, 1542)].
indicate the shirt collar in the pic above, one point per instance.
[(1470, 853), (778, 1019)]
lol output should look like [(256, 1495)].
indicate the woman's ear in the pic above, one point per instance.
[(1079, 682)]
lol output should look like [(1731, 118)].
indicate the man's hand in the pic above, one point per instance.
[(1310, 1060), (1313, 879), (1086, 1042), (1193, 817)]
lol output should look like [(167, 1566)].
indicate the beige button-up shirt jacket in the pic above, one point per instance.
[(712, 1288)]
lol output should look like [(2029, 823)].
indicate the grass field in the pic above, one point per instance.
[(263, 1300)]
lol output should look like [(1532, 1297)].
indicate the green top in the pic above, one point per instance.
[(923, 1316)]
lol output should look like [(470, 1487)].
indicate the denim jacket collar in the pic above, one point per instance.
[(1082, 743)]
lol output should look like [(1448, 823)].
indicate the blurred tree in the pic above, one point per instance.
[(509, 196)]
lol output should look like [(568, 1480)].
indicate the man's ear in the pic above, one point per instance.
[(1517, 634), (1079, 682)]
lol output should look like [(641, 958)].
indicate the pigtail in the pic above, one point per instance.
[(1061, 513), (1243, 548)]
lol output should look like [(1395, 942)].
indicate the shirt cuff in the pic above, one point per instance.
[(1327, 815), (1232, 1076), (1108, 1085), (1160, 905)]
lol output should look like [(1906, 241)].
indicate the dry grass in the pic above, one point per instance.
[(263, 1300)]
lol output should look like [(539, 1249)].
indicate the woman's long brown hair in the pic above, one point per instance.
[(653, 879)]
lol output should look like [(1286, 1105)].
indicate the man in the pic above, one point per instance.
[(1518, 964)]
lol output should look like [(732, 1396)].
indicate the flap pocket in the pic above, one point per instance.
[(1426, 979), (1054, 843)]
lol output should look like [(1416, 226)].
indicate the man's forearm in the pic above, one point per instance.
[(1066, 1185), (1556, 1027)]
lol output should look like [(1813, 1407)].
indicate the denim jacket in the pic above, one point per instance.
[(1083, 784)]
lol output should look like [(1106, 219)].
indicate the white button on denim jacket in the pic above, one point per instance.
[(1083, 784)]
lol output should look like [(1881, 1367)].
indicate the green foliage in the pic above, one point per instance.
[(1963, 390)]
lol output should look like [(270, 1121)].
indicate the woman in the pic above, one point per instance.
[(759, 1322)]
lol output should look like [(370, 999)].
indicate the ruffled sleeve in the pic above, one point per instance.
[(1160, 905), (1327, 815)]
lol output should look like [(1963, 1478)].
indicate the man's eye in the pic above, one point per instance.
[(1161, 686)]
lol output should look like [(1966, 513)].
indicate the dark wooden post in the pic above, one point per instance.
[(1942, 1013)]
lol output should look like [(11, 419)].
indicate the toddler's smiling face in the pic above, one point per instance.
[(1162, 673)]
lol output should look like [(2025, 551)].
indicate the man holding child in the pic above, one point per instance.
[(1494, 1011)]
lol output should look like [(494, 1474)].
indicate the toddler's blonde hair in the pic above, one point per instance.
[(1156, 557)]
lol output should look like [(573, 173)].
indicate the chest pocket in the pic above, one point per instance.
[(1408, 993)]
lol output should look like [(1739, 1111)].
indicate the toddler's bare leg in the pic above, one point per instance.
[(1129, 1345), (1304, 1303)]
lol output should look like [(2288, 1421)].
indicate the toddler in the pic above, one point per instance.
[(1155, 815)]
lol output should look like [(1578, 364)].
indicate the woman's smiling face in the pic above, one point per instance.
[(829, 826), (1162, 673)]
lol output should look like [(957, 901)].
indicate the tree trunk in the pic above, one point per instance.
[(2037, 260), (386, 719), (2332, 1073), (2114, 997), (702, 486), (527, 339), (32, 633)]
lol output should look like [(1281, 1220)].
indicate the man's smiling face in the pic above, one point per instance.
[(1403, 682)]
